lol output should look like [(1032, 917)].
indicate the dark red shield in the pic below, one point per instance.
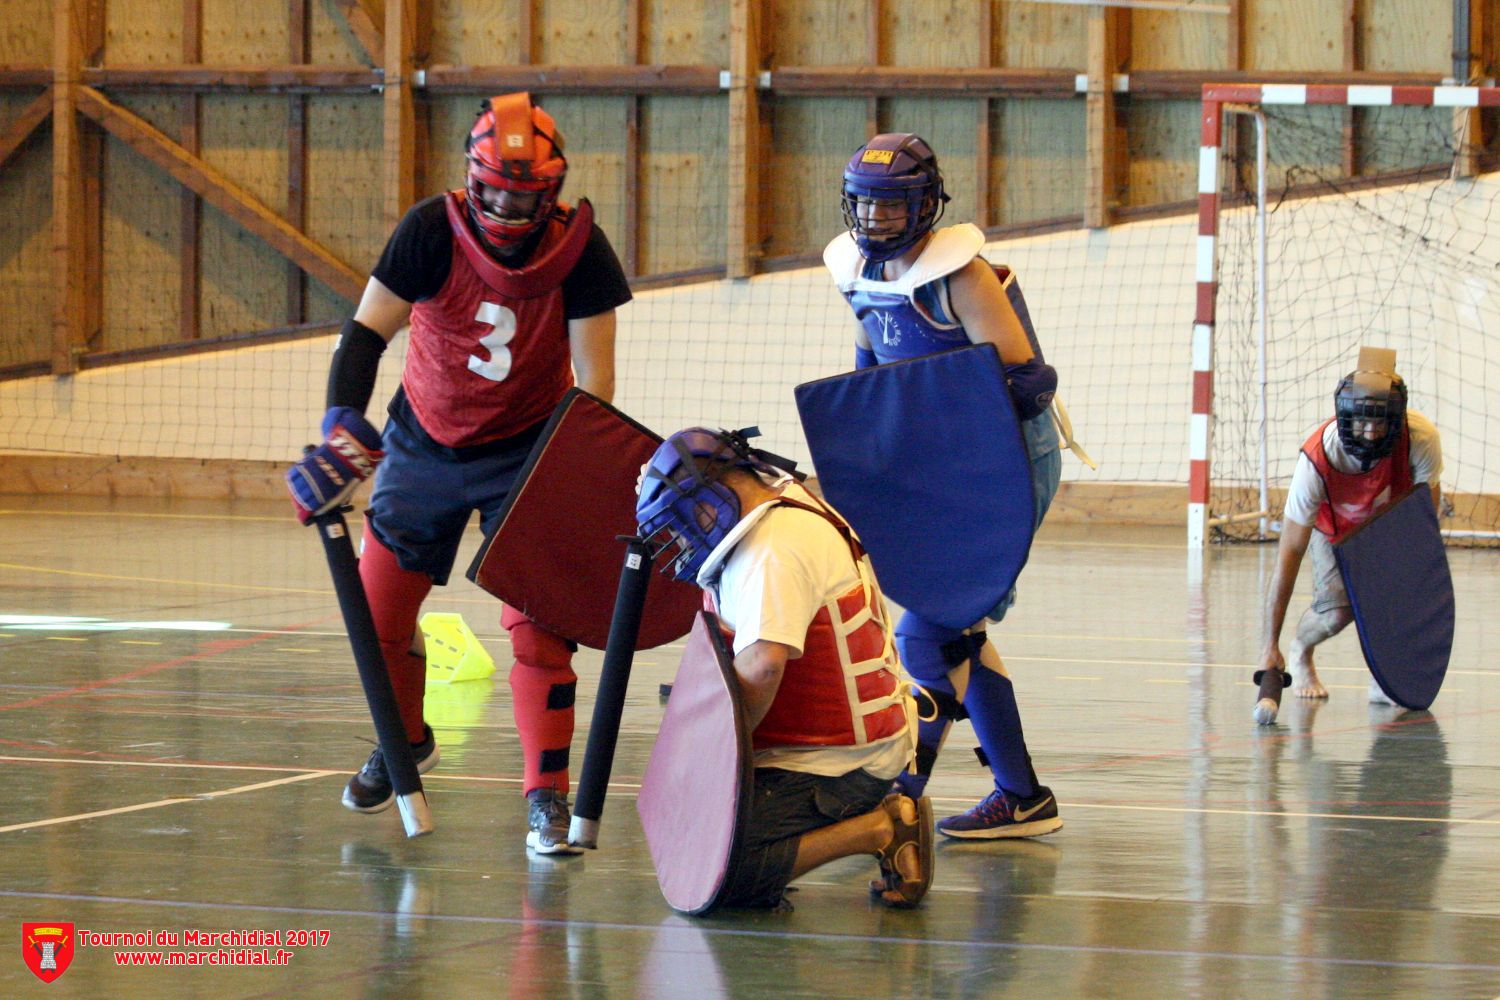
[(554, 553), (47, 948)]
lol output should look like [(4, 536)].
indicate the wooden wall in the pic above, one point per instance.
[(656, 165)]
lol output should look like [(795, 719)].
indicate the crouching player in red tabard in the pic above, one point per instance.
[(815, 663), (509, 293), (1367, 455)]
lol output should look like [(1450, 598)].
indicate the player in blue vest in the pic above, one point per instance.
[(917, 290)]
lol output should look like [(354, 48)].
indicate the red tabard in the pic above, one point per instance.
[(842, 690), (481, 365), (1351, 498)]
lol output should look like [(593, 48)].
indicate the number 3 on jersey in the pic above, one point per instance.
[(502, 324)]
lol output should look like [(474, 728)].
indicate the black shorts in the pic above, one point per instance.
[(784, 806)]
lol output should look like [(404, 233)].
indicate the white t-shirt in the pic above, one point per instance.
[(1307, 491), (781, 566)]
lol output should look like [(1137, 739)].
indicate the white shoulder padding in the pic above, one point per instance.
[(949, 250), (843, 260)]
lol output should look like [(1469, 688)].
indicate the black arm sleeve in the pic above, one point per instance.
[(597, 283), (351, 376)]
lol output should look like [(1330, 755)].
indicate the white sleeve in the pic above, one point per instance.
[(1426, 449), (1305, 495), (768, 590)]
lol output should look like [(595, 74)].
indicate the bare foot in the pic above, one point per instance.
[(1310, 687)]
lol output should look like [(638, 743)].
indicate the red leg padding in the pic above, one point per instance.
[(395, 597), (542, 685)]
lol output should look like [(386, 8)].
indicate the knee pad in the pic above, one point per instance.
[(929, 652), (535, 646)]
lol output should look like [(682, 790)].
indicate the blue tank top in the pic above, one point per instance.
[(901, 328)]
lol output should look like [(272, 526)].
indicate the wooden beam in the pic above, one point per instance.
[(632, 234), (603, 80), (69, 207), (25, 76), (1468, 63), (1353, 58), (1178, 84), (222, 193), (399, 159), (1102, 139), (26, 123), (526, 31), (190, 209), (365, 27), (986, 29), (91, 144), (872, 60), (744, 246), (296, 158), (907, 81), (1234, 41), (210, 78)]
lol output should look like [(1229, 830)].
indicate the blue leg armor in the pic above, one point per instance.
[(991, 704), (929, 652)]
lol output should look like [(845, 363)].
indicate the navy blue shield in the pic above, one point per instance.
[(1396, 572), (926, 461)]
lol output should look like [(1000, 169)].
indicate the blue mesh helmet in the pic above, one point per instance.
[(684, 509), (1365, 396), (897, 171)]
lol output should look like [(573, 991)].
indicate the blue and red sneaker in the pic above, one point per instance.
[(1003, 815)]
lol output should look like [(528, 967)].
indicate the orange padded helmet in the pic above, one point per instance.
[(513, 147)]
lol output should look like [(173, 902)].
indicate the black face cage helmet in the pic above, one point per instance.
[(1363, 396)]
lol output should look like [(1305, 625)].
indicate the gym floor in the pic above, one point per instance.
[(174, 752)]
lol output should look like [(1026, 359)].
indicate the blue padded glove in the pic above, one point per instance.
[(864, 357), (326, 476), (1032, 385)]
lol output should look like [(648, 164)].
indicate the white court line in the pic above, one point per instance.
[(1102, 638), (1017, 658), (165, 802), (626, 787), (1280, 814), (167, 763)]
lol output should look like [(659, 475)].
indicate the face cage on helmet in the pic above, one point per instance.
[(670, 525), (1349, 409), (1358, 446), (505, 236), (924, 207)]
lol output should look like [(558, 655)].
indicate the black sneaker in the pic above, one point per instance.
[(370, 790), (548, 813)]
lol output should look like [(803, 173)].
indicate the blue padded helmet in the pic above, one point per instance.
[(1368, 396), (897, 171), (684, 509)]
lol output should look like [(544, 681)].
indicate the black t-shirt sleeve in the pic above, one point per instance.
[(417, 257), (597, 282)]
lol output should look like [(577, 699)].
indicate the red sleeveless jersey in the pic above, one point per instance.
[(481, 365), (1350, 499)]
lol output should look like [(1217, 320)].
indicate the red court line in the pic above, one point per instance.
[(210, 649)]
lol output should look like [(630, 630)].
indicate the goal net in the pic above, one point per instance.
[(1333, 218)]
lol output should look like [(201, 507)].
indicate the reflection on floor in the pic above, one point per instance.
[(173, 764)]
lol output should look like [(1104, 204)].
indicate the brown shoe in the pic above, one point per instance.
[(893, 888)]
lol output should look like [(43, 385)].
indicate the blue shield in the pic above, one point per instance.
[(926, 461), (1396, 572)]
